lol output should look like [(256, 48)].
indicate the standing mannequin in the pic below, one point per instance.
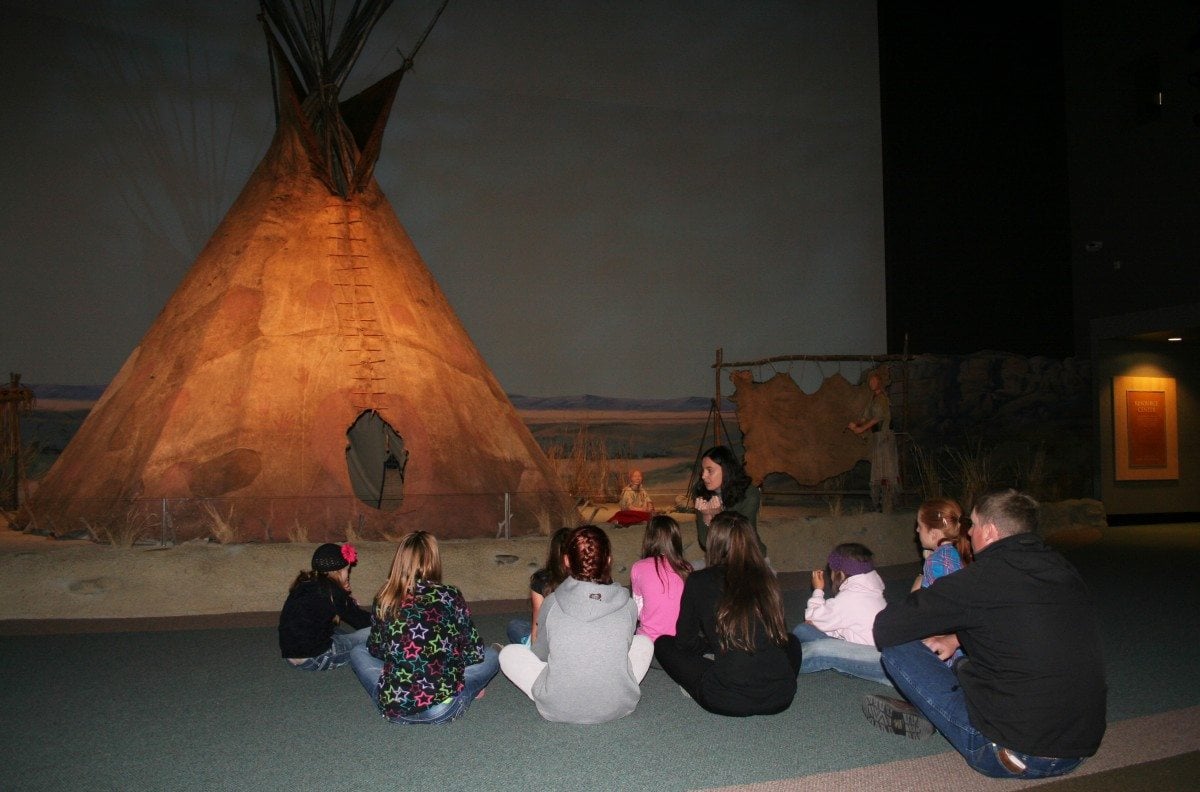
[(876, 425)]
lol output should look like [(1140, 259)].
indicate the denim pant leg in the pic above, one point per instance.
[(807, 632), (368, 669), (438, 713), (1045, 767), (852, 659), (933, 688), (343, 642), (518, 630), (476, 677)]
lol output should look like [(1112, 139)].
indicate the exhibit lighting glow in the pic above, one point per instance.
[(1175, 338)]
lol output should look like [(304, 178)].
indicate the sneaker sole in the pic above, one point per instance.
[(896, 717)]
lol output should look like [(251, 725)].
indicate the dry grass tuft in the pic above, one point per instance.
[(124, 531), (587, 468), (1032, 477), (929, 472), (972, 471), (298, 533), (834, 487), (545, 521), (220, 527)]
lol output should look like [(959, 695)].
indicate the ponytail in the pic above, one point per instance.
[(946, 515)]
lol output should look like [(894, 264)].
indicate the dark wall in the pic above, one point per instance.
[(1034, 180), (975, 177), (1134, 163)]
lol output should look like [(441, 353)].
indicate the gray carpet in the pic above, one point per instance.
[(216, 709)]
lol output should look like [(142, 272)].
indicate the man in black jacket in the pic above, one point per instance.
[(1028, 698)]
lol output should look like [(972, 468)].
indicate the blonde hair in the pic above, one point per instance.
[(417, 558)]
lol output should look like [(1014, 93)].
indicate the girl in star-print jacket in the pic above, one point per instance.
[(423, 661)]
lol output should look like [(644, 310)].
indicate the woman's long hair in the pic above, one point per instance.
[(946, 516), (417, 558), (751, 594), (663, 542), (556, 570), (734, 479), (589, 554)]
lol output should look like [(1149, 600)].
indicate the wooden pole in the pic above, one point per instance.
[(826, 358), (15, 399), (717, 404)]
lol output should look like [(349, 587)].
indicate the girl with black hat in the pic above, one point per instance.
[(318, 601)]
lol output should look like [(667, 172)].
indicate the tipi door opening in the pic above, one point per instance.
[(376, 459)]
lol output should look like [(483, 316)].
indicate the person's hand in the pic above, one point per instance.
[(944, 646), (818, 579)]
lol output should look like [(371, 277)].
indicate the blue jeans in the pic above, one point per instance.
[(518, 631), (822, 653), (338, 653), (369, 668), (933, 688)]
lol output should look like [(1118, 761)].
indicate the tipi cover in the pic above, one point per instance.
[(308, 380)]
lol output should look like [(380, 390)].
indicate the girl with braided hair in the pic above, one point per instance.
[(585, 664)]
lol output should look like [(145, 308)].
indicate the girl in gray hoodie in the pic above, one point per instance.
[(585, 665)]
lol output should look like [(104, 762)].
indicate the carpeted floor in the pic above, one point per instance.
[(212, 707)]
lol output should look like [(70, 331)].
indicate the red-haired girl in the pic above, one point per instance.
[(585, 665)]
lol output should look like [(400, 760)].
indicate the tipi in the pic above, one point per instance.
[(308, 380)]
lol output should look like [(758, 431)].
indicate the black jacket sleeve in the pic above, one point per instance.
[(349, 611), (696, 607), (937, 610)]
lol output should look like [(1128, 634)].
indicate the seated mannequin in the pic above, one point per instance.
[(635, 505)]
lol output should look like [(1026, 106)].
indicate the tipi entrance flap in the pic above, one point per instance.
[(375, 461)]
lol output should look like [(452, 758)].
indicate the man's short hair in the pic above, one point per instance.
[(1011, 511)]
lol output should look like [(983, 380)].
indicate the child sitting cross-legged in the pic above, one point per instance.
[(585, 664), (836, 634), (423, 661)]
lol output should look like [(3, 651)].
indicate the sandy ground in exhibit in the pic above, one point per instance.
[(49, 579), (55, 579)]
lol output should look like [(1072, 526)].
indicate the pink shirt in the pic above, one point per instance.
[(657, 592)]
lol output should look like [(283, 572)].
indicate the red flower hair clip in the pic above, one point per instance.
[(349, 553)]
